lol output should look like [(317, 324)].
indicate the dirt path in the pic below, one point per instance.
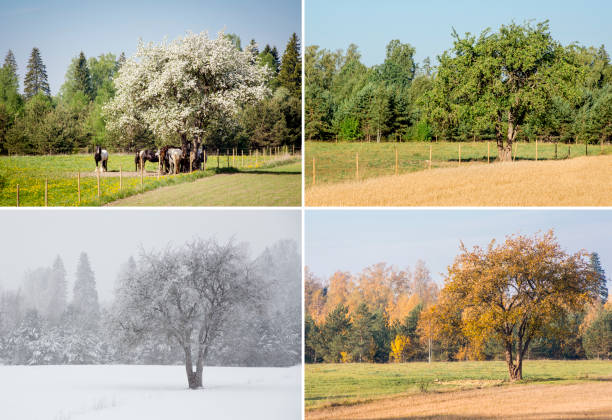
[(592, 400), (584, 181)]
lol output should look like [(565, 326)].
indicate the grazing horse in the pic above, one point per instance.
[(174, 157), (101, 155), (163, 158), (145, 155)]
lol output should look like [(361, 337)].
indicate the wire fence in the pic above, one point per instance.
[(50, 186), (336, 162)]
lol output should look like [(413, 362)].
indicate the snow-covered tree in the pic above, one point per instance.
[(58, 292), (185, 294), (177, 89), (85, 309)]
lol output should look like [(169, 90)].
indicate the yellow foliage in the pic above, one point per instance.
[(399, 346), (345, 357)]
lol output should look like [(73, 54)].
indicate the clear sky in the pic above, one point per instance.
[(62, 28), (33, 238), (353, 240), (427, 25)]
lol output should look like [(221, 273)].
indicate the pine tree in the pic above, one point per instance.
[(36, 77), (85, 297), (603, 282), (290, 74), (82, 77)]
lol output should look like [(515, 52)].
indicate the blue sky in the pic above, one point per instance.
[(427, 25), (61, 29), (353, 240)]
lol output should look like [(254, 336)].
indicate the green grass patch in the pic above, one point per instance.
[(336, 162), (345, 384), (60, 173), (278, 185)]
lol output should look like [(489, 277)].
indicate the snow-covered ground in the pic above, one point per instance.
[(148, 392)]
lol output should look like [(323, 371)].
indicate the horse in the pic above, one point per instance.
[(101, 155), (174, 158), (163, 158), (145, 155)]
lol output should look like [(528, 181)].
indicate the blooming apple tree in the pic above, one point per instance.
[(176, 89)]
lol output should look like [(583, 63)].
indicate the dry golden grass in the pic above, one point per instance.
[(574, 401), (584, 181)]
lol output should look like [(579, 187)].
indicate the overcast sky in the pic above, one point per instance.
[(33, 238), (62, 28), (427, 25), (353, 240)]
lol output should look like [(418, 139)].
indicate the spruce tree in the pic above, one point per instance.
[(85, 297), (254, 48), (121, 60), (10, 62), (290, 74), (58, 291), (274, 54), (36, 77), (82, 78), (603, 282)]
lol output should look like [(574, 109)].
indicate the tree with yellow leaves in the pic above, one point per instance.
[(514, 292), (398, 348)]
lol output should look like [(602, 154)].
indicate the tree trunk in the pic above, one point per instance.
[(194, 379)]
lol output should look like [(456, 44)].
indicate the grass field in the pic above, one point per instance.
[(336, 162), (60, 171), (359, 390), (275, 186), (583, 181)]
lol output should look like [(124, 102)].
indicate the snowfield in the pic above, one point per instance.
[(148, 392)]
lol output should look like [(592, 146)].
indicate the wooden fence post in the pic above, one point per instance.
[(586, 147), (314, 172), (120, 177), (292, 149), (256, 157), (555, 150), (228, 158), (536, 149), (488, 152), (46, 188), (459, 153), (98, 177), (79, 185), (242, 158), (141, 175), (569, 151), (357, 166), (515, 150), (17, 195)]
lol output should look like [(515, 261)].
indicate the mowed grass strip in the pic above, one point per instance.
[(330, 385), (60, 171), (276, 186), (584, 181), (336, 162), (585, 400)]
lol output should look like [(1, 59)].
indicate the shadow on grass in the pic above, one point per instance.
[(254, 171)]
